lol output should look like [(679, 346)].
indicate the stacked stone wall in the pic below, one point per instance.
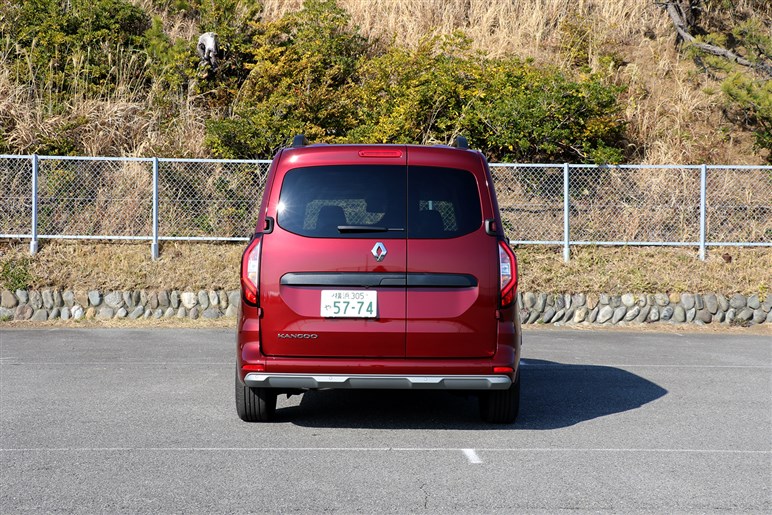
[(535, 308), (630, 308), (53, 304)]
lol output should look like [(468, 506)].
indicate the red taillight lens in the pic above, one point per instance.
[(507, 274), (250, 267)]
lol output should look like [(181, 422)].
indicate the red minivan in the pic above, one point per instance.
[(378, 266)]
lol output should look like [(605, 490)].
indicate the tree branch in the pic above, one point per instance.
[(676, 16)]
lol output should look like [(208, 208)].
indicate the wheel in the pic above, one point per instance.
[(501, 406), (254, 404)]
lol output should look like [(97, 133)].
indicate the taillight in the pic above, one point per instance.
[(507, 274), (250, 267)]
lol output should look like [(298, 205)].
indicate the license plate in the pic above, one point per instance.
[(349, 304)]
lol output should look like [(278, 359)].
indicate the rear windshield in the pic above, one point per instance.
[(365, 201)]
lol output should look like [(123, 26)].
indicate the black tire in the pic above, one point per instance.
[(254, 404), (501, 406)]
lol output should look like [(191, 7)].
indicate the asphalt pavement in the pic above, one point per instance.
[(143, 420)]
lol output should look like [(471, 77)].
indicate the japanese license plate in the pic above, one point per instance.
[(349, 304)]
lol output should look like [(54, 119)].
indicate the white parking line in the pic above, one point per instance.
[(469, 453), (472, 456)]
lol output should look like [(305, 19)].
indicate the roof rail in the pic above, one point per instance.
[(460, 142), (299, 141)]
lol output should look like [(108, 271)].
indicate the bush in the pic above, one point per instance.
[(297, 69), (753, 100), (510, 110), (311, 74), (415, 96), (747, 90), (15, 274), (523, 113), (72, 44), (235, 22)]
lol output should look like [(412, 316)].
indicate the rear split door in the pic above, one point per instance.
[(452, 289), (333, 269)]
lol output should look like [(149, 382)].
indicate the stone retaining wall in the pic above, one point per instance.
[(535, 308), (675, 308), (75, 305)]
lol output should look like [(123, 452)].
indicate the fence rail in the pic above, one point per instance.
[(155, 199)]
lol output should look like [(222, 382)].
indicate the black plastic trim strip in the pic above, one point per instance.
[(431, 280), (371, 279)]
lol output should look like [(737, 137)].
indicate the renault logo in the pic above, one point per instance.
[(379, 251)]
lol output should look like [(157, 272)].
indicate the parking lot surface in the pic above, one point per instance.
[(143, 420)]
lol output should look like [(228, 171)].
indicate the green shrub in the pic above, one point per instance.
[(511, 110), (298, 67), (74, 44), (415, 96), (747, 89), (15, 274), (310, 73), (753, 99), (524, 113)]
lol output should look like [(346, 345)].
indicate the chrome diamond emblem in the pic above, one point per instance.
[(379, 251)]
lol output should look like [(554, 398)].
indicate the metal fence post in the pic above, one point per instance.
[(703, 206), (566, 213), (33, 244), (154, 245)]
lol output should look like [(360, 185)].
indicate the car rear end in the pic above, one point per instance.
[(378, 266)]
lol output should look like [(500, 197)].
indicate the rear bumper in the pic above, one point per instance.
[(377, 381)]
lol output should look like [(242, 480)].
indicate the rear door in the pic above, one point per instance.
[(452, 291), (332, 271)]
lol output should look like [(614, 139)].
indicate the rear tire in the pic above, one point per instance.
[(254, 404), (501, 406)]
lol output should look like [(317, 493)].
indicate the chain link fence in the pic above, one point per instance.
[(203, 199), (81, 197), (636, 204), (217, 200), (15, 196)]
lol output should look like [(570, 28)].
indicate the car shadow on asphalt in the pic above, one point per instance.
[(553, 395)]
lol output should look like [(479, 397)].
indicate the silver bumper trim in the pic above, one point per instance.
[(374, 381)]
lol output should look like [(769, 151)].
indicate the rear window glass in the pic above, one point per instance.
[(443, 202), (344, 201), (368, 201)]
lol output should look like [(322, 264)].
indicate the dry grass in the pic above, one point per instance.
[(116, 266), (128, 266), (645, 270), (497, 27), (121, 121)]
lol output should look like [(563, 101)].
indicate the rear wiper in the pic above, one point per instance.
[(366, 228)]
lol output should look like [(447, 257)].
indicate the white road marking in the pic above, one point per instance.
[(472, 456), (468, 452)]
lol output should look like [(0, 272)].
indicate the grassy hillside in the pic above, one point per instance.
[(124, 266), (547, 80), (151, 98)]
